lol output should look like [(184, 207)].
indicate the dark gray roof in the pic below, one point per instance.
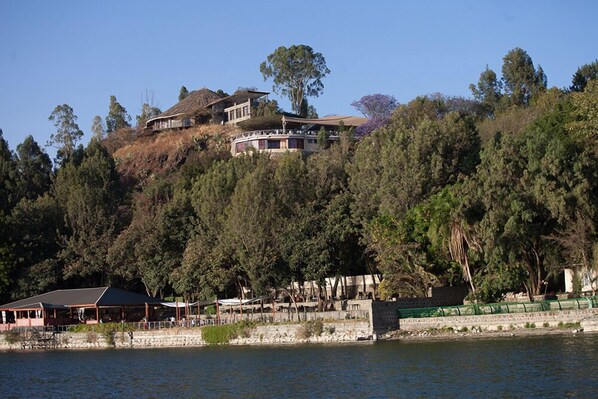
[(101, 296)]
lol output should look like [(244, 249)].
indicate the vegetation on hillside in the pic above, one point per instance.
[(498, 192)]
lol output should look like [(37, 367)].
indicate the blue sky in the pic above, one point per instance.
[(81, 52)]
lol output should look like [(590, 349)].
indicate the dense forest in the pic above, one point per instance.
[(498, 192)]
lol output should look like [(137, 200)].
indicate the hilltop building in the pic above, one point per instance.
[(303, 139), (205, 106)]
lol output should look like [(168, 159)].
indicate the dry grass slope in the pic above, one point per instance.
[(143, 157)]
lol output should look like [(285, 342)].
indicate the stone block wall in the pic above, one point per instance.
[(492, 322)]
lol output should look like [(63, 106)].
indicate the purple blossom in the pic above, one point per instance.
[(376, 106)]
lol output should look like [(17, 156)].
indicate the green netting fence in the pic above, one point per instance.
[(502, 307)]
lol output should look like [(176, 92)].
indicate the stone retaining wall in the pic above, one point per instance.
[(342, 331), (492, 322)]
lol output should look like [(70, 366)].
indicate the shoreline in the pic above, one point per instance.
[(427, 335), (414, 336)]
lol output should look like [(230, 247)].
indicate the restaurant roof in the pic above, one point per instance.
[(99, 296)]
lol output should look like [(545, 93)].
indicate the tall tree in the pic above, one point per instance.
[(98, 129), (183, 93), (117, 116), (67, 134), (583, 75), (297, 73), (34, 169), (521, 80), (147, 112), (488, 90), (90, 195), (8, 190)]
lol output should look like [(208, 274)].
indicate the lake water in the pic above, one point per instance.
[(532, 367)]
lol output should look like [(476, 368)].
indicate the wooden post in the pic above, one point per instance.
[(176, 311), (97, 314), (146, 312), (217, 312)]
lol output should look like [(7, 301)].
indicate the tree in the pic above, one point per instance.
[(147, 112), (117, 116), (376, 105), (183, 93), (34, 169), (378, 108), (8, 176), (488, 90), (521, 81), (583, 75), (90, 195), (68, 132), (584, 127), (98, 129), (297, 73)]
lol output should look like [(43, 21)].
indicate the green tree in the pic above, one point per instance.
[(521, 81), (34, 169), (584, 126), (8, 177), (583, 75), (527, 189), (98, 129), (183, 93), (488, 90), (208, 267), (297, 73), (67, 134), (90, 195), (117, 116), (36, 226)]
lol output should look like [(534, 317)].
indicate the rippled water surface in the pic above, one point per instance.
[(533, 367)]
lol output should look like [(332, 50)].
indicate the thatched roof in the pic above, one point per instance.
[(193, 104)]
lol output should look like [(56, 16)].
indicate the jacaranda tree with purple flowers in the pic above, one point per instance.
[(377, 108)]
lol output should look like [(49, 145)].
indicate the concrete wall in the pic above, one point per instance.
[(384, 315)]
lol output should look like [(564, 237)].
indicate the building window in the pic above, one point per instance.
[(273, 144), (296, 143)]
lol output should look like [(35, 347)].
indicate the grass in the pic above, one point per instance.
[(218, 335), (569, 325)]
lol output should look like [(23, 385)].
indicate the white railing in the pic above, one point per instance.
[(281, 132)]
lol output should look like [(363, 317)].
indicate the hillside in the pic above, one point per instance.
[(145, 156)]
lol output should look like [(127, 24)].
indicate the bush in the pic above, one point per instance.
[(12, 337), (310, 328), (217, 335)]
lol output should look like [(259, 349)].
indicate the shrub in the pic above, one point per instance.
[(463, 329), (545, 325), (92, 337), (499, 327), (310, 328), (109, 337), (12, 337), (216, 335), (530, 325)]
